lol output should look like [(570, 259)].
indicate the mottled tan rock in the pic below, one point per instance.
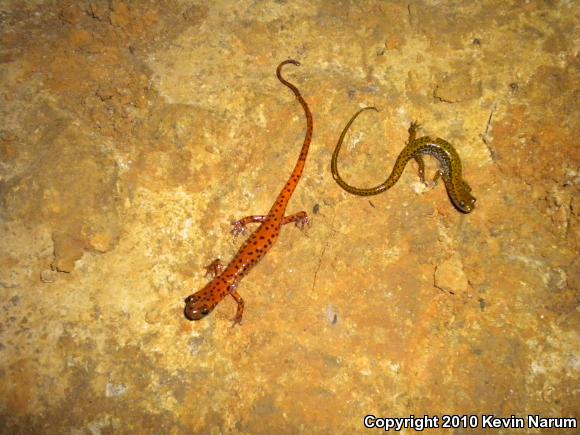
[(8, 147), (119, 14), (80, 38), (68, 248), (71, 12), (49, 276), (450, 277), (140, 130), (457, 87), (8, 277), (101, 242)]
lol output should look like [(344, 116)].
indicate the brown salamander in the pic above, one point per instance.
[(450, 166)]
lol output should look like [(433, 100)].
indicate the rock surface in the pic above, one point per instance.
[(133, 133)]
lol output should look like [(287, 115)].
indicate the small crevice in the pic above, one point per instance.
[(485, 136)]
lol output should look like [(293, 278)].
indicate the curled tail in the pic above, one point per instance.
[(290, 185), (309, 122), (334, 165)]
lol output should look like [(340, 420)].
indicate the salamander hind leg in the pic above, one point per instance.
[(421, 164), (300, 219), (436, 178)]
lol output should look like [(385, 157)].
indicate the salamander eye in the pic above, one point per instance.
[(191, 299), (205, 311)]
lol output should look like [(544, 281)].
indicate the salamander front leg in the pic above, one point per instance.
[(438, 175), (214, 268), (421, 163), (240, 302), (413, 132), (239, 227)]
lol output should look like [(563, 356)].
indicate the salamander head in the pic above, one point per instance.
[(464, 200), (199, 304)]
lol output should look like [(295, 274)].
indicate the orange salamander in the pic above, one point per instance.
[(450, 166), (226, 279)]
